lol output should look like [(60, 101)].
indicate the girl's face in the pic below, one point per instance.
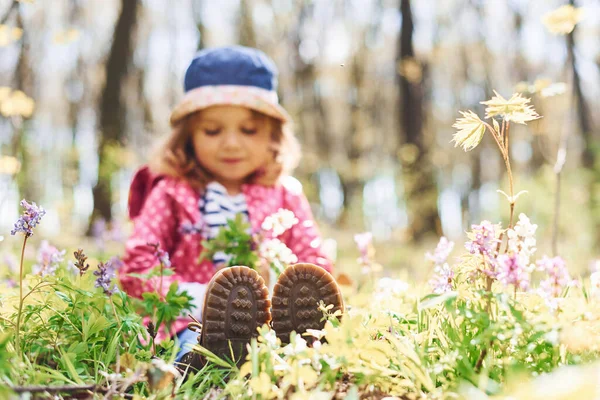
[(231, 142)]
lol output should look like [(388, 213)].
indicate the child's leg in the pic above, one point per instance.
[(296, 297), (187, 339)]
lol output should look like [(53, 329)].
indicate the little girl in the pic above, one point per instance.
[(230, 152)]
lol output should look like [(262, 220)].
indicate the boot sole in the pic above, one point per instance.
[(236, 304), (296, 297)]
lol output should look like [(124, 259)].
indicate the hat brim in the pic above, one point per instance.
[(251, 97)]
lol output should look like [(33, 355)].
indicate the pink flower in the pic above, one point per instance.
[(48, 259), (558, 278), (441, 252), (442, 279), (510, 271), (483, 239), (364, 242)]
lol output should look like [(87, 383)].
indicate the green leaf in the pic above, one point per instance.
[(433, 300), (93, 325), (66, 361)]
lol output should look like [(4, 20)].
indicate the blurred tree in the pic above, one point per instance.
[(112, 118), (27, 179), (198, 19), (583, 115), (247, 36), (586, 128), (417, 169), (312, 121)]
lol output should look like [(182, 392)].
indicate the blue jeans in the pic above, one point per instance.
[(187, 339)]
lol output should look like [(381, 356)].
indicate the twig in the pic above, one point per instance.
[(65, 389), (55, 389), (479, 362)]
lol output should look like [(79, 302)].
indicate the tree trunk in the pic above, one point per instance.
[(420, 186), (583, 116), (585, 124), (112, 116), (27, 180), (247, 34), (199, 20)]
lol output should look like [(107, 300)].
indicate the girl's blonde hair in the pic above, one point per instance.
[(176, 156)]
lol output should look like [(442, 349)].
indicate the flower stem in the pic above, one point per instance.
[(161, 281), (114, 310), (502, 140), (156, 327), (511, 188), (18, 325)]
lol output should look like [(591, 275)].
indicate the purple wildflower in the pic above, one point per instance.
[(30, 218), (483, 240), (99, 233), (116, 233), (105, 274), (163, 256), (442, 279), (558, 277), (441, 252), (116, 262), (48, 259), (511, 271), (11, 262), (10, 283)]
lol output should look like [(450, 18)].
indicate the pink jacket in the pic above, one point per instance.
[(171, 203)]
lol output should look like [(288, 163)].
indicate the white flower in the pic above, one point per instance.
[(71, 268), (279, 222), (316, 333), (273, 250), (393, 286), (388, 287), (271, 338), (521, 239), (295, 348)]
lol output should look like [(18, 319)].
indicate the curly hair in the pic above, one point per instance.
[(176, 156)]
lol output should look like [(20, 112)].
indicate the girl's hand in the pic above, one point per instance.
[(269, 173)]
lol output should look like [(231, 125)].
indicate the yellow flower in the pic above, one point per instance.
[(66, 36), (562, 20), (15, 103), (516, 109), (9, 35), (470, 130), (9, 165), (261, 384), (4, 93)]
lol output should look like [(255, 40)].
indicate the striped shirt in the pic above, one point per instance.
[(217, 206)]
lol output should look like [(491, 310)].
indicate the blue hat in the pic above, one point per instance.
[(233, 75)]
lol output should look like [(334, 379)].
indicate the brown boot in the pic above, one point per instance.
[(236, 304), (296, 298)]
